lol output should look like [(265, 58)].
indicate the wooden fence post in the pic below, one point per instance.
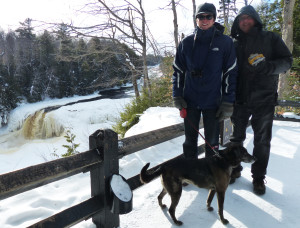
[(105, 141)]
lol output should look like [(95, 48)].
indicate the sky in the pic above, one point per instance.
[(278, 208), (14, 11), (160, 21)]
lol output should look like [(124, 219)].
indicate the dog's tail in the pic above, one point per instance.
[(146, 176)]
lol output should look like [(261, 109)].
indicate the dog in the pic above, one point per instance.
[(211, 173)]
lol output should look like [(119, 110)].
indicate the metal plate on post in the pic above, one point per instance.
[(226, 131), (122, 195)]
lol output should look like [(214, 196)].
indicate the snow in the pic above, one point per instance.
[(279, 207), (120, 188)]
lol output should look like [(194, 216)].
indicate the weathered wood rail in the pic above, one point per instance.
[(102, 161), (295, 104)]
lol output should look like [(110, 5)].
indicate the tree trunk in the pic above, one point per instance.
[(175, 23), (135, 85), (147, 84), (194, 14), (287, 36)]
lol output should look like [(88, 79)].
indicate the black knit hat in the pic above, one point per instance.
[(206, 8)]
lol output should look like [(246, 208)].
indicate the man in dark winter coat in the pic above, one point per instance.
[(204, 80), (261, 56)]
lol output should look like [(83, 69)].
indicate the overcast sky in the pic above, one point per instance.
[(160, 22), (14, 11)]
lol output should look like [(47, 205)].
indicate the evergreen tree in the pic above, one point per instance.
[(82, 74), (8, 98), (270, 15), (9, 55), (24, 60), (65, 57), (34, 67), (94, 60), (46, 70)]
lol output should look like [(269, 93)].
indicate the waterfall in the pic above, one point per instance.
[(41, 125)]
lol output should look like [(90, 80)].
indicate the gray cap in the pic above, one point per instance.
[(206, 8)]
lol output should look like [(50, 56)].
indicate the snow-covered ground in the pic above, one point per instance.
[(279, 207)]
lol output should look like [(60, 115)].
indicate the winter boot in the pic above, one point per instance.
[(259, 187)]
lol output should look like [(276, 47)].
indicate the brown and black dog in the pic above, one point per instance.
[(210, 173)]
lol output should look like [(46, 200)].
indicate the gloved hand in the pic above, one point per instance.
[(179, 102), (183, 113), (255, 59), (225, 111), (259, 65)]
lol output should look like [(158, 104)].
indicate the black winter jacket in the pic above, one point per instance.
[(258, 89)]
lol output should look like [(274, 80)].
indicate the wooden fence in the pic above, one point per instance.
[(102, 161)]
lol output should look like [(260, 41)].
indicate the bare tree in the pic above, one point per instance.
[(172, 5), (287, 36), (129, 21), (227, 10), (128, 63), (175, 23), (123, 22), (194, 13), (246, 2)]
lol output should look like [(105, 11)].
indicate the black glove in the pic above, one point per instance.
[(179, 102), (225, 111), (260, 66)]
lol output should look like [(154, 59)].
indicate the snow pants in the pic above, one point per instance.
[(191, 128), (261, 122)]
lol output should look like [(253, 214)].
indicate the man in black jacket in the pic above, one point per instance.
[(262, 56)]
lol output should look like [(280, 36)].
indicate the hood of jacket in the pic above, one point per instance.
[(248, 10)]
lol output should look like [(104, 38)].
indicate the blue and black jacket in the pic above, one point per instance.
[(205, 69)]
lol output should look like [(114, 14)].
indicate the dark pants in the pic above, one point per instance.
[(191, 128), (261, 122)]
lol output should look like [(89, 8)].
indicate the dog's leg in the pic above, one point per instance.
[(210, 197), (160, 197), (173, 186), (221, 198), (174, 202)]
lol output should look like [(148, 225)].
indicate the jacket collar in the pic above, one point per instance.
[(216, 28)]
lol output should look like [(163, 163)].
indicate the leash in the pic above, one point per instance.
[(183, 114)]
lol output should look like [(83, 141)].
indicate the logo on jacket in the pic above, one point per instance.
[(215, 49)]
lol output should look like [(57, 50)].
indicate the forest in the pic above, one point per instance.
[(55, 65)]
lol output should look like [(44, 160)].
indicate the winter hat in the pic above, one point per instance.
[(206, 8)]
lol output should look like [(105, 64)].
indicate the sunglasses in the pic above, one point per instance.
[(207, 17)]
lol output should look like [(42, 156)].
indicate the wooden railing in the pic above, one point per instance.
[(102, 161)]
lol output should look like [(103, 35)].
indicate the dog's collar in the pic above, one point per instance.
[(217, 154)]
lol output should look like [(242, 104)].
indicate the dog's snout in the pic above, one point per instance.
[(248, 158)]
